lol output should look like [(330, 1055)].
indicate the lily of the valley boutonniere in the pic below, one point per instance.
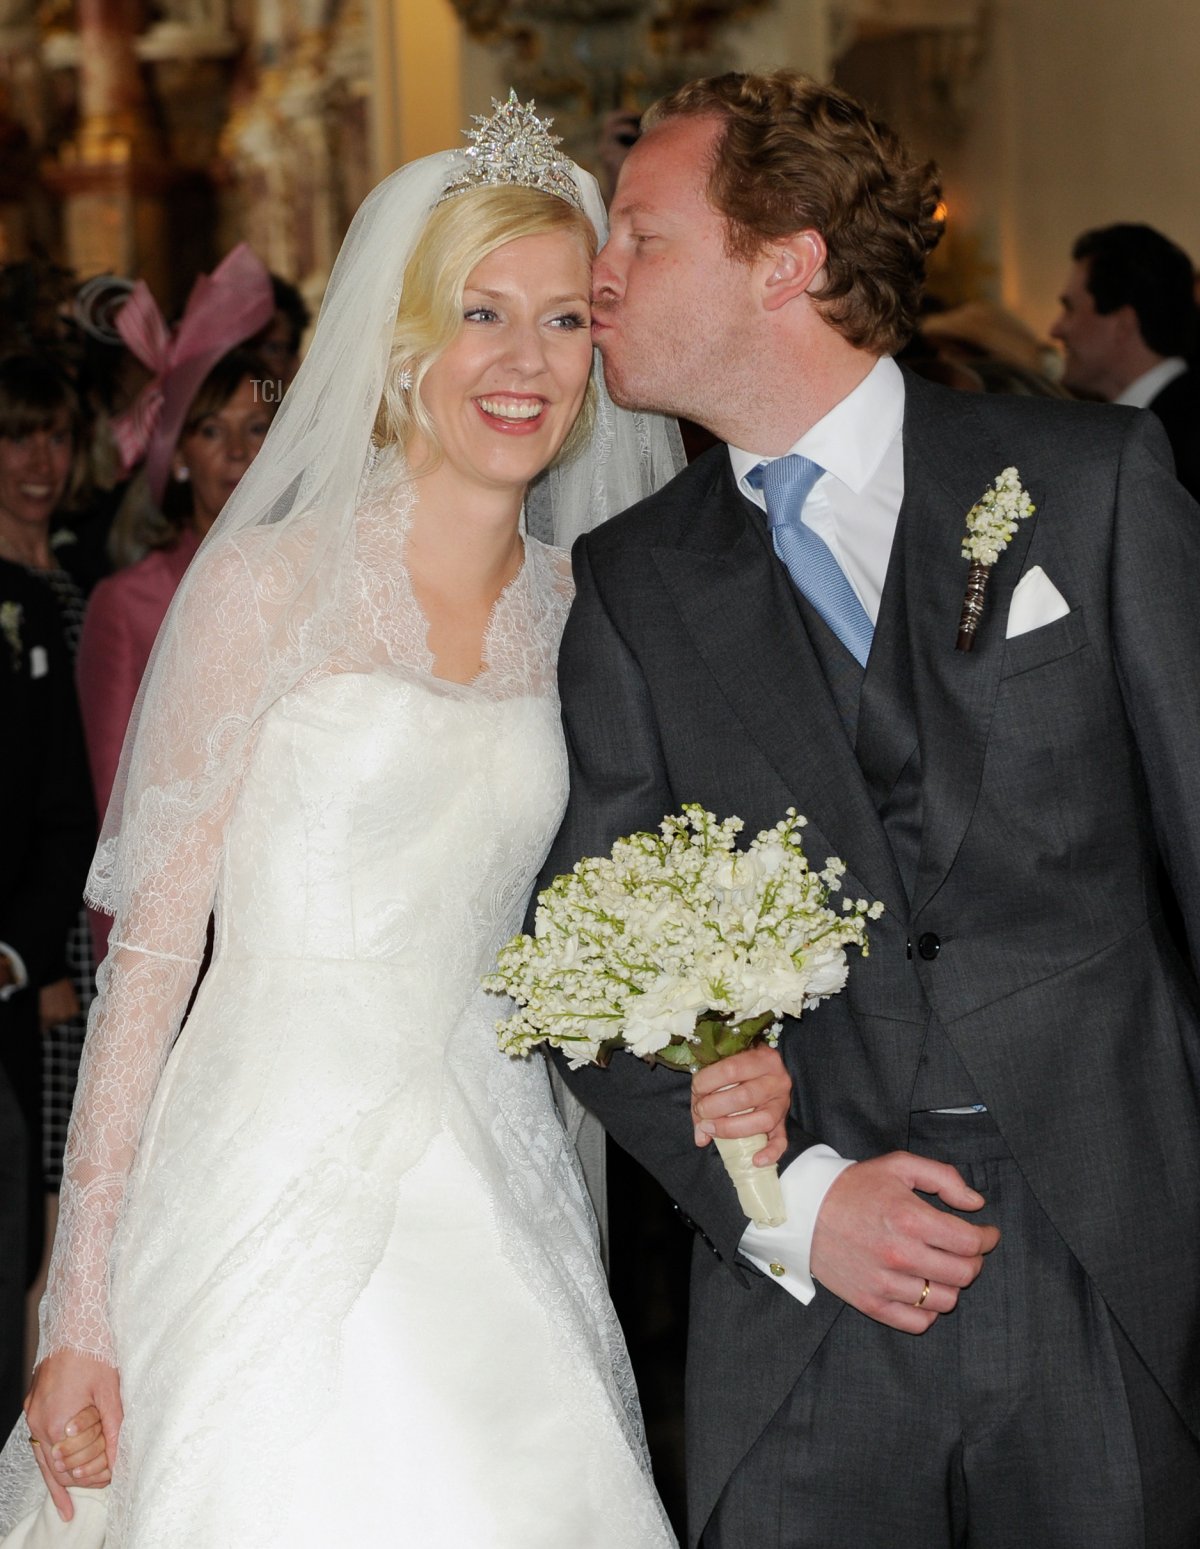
[(990, 525)]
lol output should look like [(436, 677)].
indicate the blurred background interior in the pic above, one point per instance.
[(147, 137)]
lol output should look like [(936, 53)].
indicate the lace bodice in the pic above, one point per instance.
[(360, 812)]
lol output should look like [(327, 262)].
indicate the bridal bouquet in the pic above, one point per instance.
[(683, 950)]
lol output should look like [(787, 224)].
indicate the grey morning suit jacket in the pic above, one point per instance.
[(1056, 769)]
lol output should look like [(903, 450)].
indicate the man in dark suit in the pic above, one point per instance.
[(48, 840), (980, 1324), (1127, 322)]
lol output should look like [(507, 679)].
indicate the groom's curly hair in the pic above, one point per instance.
[(797, 155)]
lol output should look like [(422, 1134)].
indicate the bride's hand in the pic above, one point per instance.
[(746, 1094), (64, 1385)]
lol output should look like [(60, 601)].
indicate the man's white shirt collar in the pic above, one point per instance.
[(1143, 390), (855, 505), (851, 440)]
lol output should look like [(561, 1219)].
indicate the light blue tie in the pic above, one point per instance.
[(786, 484)]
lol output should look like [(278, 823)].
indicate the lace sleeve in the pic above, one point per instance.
[(159, 875)]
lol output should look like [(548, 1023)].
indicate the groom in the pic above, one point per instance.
[(980, 1324)]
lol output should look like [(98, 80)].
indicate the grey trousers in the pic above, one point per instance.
[(1023, 1420)]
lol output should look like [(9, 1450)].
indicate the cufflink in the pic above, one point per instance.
[(777, 1269)]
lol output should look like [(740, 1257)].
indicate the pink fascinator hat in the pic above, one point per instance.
[(225, 308)]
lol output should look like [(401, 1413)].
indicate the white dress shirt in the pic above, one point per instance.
[(855, 504), (854, 507), (1143, 390)]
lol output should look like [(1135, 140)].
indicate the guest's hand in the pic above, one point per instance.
[(65, 1385), (878, 1246), (81, 1458), (57, 1003), (747, 1094)]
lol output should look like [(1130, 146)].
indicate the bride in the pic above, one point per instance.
[(334, 1243)]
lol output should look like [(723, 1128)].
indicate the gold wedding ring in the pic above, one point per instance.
[(920, 1301), (33, 1441)]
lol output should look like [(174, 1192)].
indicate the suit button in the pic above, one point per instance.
[(929, 945)]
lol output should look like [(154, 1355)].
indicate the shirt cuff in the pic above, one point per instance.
[(782, 1252), (20, 974)]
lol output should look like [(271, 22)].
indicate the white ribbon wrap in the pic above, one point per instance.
[(758, 1190)]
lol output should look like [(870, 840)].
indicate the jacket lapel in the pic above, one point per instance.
[(950, 459), (736, 601)]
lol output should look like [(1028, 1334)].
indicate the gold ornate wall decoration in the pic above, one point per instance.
[(126, 125), (22, 127), (110, 177), (582, 60), (136, 94), (294, 147)]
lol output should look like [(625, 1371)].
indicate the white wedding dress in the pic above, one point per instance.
[(354, 1289)]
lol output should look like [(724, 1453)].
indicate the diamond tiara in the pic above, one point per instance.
[(514, 147)]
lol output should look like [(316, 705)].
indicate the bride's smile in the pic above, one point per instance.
[(505, 392)]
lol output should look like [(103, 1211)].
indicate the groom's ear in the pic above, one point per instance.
[(794, 267)]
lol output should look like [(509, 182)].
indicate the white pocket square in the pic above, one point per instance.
[(1036, 602)]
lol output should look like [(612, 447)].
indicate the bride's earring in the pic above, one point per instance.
[(404, 380), (181, 474)]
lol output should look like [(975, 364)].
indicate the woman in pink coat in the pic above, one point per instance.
[(221, 433)]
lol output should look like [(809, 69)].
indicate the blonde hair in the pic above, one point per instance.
[(458, 235)]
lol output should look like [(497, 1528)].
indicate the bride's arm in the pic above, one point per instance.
[(181, 789), (141, 997)]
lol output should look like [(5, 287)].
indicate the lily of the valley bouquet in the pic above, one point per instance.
[(683, 950)]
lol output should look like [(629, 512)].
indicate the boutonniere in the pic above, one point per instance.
[(10, 628), (990, 525)]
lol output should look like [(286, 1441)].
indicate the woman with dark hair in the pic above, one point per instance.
[(221, 433), (41, 431)]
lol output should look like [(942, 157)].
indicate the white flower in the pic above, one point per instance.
[(588, 1035), (665, 1011), (741, 875), (775, 985), (674, 928), (992, 522), (827, 971)]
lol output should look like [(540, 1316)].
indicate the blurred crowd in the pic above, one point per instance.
[(1126, 332)]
